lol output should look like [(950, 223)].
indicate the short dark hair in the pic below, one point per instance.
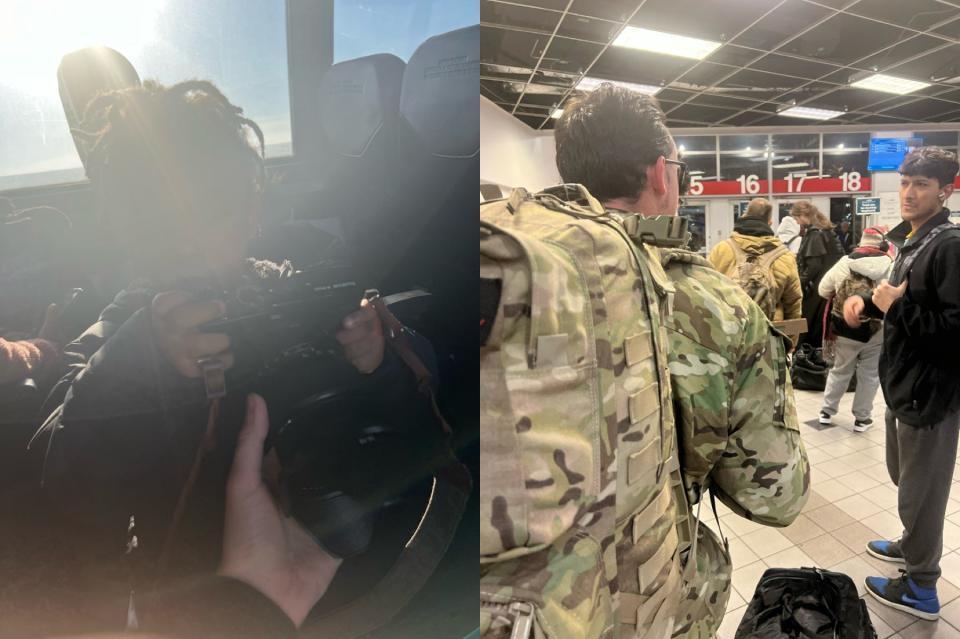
[(931, 162), (608, 138)]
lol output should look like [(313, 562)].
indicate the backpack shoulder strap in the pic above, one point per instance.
[(738, 253), (772, 256)]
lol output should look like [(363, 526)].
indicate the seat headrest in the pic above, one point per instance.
[(85, 73), (440, 98), (358, 98)]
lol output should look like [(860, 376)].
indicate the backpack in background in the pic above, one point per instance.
[(754, 274), (854, 284)]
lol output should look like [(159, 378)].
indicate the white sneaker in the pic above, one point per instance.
[(825, 418), (862, 425)]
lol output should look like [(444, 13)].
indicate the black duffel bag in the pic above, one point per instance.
[(809, 370), (798, 603)]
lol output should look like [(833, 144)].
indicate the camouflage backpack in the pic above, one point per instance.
[(578, 470), (854, 284), (755, 276)]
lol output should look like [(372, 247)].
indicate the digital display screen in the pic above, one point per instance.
[(886, 154)]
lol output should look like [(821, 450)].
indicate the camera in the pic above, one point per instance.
[(349, 451)]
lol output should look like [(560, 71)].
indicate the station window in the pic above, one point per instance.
[(743, 143), (363, 27), (796, 164), (796, 142), (243, 51), (845, 141), (694, 143), (732, 166), (702, 167), (945, 139), (837, 162)]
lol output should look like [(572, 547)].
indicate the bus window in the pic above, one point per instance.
[(363, 27), (243, 52)]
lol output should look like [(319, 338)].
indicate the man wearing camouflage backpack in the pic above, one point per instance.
[(586, 524)]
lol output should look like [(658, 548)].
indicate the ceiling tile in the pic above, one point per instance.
[(792, 66), (705, 74), (699, 113), (676, 95), (733, 55), (915, 14), (568, 55), (640, 66), (524, 17), (951, 29), (586, 28), (853, 99), (843, 39), (616, 10), (911, 46), (717, 20), (735, 104), (543, 4), (783, 23), (942, 64), (922, 110)]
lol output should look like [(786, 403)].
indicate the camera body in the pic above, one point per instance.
[(348, 449)]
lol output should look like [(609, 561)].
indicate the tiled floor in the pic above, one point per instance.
[(852, 501)]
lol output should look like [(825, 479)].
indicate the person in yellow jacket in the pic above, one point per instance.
[(754, 236)]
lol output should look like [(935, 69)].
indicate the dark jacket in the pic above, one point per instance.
[(123, 430), (919, 367), (819, 251)]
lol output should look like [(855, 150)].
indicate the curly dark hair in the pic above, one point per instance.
[(154, 141), (608, 138), (931, 162)]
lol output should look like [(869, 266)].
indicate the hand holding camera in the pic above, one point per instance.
[(176, 320)]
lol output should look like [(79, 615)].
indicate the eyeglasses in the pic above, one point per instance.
[(682, 173)]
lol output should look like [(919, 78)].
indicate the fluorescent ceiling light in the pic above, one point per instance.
[(589, 84), (556, 113), (889, 84), (791, 165), (810, 113), (665, 43)]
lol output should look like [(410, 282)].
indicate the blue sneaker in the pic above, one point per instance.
[(905, 595), (887, 551)]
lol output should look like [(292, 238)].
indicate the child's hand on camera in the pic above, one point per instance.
[(362, 338), (175, 320)]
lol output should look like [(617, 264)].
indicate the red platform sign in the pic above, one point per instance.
[(750, 185)]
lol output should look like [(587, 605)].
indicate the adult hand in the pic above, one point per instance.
[(262, 547), (852, 309), (362, 338), (885, 294), (175, 318)]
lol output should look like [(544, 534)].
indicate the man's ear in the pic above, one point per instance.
[(657, 176), (947, 192)]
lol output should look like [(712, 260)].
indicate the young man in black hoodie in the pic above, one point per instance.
[(919, 374)]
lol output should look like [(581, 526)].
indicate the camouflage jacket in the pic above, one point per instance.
[(737, 420)]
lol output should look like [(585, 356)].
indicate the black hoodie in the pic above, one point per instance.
[(919, 367)]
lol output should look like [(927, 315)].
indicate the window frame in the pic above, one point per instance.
[(309, 43)]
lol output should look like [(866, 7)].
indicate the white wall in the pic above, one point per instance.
[(512, 153)]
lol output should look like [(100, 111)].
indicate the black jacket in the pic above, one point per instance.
[(919, 366), (120, 439), (753, 227), (818, 252)]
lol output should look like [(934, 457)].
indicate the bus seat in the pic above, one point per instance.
[(85, 73), (359, 102)]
